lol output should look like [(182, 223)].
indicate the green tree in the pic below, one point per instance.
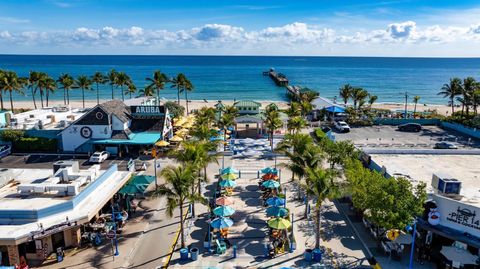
[(123, 80), (112, 78), (452, 90), (175, 109), (50, 86), (42, 83), (415, 101), (339, 152), (182, 84), (33, 79), (293, 110), (99, 78), (157, 82), (2, 76), (83, 83), (358, 95), (147, 91), (469, 87), (67, 83), (295, 124), (371, 100), (345, 93), (272, 122), (131, 89), (10, 82), (205, 116), (178, 181)]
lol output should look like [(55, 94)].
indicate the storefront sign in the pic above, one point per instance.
[(147, 112), (457, 215)]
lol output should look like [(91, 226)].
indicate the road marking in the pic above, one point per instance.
[(175, 241)]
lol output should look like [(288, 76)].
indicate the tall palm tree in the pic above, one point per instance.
[(33, 80), (415, 101), (157, 82), (177, 191), (2, 75), (451, 90), (205, 116), (295, 124), (84, 83), (67, 82), (372, 99), (183, 84), (131, 89), (49, 85), (272, 122), (293, 109), (42, 83), (10, 82), (345, 93), (358, 96), (321, 185), (99, 78), (147, 91), (469, 87), (123, 80), (112, 78)]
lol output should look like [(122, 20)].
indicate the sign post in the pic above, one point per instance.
[(154, 155)]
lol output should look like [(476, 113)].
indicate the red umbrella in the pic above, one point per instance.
[(269, 176), (224, 201)]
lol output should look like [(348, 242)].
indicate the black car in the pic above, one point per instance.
[(410, 127)]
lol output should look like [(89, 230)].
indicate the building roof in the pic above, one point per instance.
[(117, 108), (247, 103), (322, 102)]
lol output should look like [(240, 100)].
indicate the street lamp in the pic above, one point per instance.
[(413, 241)]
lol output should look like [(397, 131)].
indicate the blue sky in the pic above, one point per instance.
[(322, 27)]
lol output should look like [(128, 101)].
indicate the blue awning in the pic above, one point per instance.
[(133, 139), (335, 109)]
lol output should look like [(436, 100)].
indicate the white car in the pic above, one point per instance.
[(342, 126), (99, 157)]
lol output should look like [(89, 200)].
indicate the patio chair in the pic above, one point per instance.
[(221, 247)]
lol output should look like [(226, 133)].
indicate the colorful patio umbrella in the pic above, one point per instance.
[(275, 211), (269, 176), (229, 176), (176, 138), (224, 201), (178, 122), (279, 224), (227, 183), (133, 189), (229, 170), (142, 180), (271, 184), (223, 211), (221, 223), (269, 170), (162, 143), (275, 201)]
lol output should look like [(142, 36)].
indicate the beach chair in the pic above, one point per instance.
[(221, 247)]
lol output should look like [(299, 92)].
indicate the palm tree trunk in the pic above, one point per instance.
[(307, 198), (11, 101), (123, 96), (1, 100), (83, 97), (158, 96), (47, 96), (41, 97), (186, 101), (64, 96), (204, 178), (98, 97), (453, 104), (182, 238), (415, 109), (193, 203), (178, 95), (317, 232), (112, 92), (33, 97)]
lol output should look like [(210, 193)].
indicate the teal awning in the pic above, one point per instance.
[(142, 180), (134, 139)]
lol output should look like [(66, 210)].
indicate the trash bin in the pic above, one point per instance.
[(184, 254), (194, 254), (317, 255), (308, 255)]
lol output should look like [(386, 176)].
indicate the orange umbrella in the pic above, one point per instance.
[(269, 176), (224, 201)]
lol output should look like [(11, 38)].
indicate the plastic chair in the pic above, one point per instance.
[(221, 247)]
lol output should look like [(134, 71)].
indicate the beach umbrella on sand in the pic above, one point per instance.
[(229, 176), (221, 223), (223, 211), (162, 143), (275, 201), (224, 201), (271, 184), (229, 170), (275, 211), (279, 224), (227, 183), (176, 138)]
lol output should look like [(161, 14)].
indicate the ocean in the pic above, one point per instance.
[(240, 77)]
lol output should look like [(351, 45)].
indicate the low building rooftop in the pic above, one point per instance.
[(56, 118)]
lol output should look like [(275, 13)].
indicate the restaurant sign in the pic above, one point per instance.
[(457, 215), (147, 112)]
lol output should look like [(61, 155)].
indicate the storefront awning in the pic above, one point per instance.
[(449, 233), (134, 139)]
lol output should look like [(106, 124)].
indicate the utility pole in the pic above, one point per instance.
[(406, 102)]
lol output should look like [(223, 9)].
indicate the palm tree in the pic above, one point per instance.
[(67, 82), (177, 191), (205, 116), (131, 89), (123, 80), (33, 80), (295, 124), (452, 90), (2, 75), (294, 109), (415, 101), (321, 185), (183, 84), (272, 122), (469, 87), (49, 85), (99, 78), (84, 83), (358, 96), (112, 78), (43, 81), (10, 82), (158, 82), (345, 93), (372, 99)]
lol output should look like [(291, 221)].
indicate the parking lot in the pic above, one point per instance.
[(389, 136), (41, 161)]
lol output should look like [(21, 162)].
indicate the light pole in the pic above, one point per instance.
[(413, 243), (406, 101), (115, 230)]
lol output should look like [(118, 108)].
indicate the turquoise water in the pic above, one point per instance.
[(240, 77)]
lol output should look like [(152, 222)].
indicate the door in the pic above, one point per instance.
[(58, 240)]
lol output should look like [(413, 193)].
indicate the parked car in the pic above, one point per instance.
[(99, 157), (342, 126), (445, 145), (410, 127)]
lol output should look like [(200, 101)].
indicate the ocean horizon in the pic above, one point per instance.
[(240, 77)]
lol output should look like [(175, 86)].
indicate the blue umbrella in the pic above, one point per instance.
[(271, 184), (275, 201), (221, 223), (269, 170), (227, 183), (275, 211), (229, 170), (223, 211)]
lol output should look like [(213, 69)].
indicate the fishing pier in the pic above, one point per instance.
[(279, 78)]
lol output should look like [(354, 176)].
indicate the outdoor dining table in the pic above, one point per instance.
[(458, 255)]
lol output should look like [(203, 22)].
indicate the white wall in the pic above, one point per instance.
[(71, 137), (118, 125)]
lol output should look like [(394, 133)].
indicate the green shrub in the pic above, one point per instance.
[(35, 144), (175, 109), (11, 135)]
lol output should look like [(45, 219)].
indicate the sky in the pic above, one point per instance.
[(404, 28)]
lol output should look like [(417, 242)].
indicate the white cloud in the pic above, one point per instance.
[(296, 38), (13, 20)]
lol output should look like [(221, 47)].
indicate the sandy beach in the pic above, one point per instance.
[(196, 104)]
